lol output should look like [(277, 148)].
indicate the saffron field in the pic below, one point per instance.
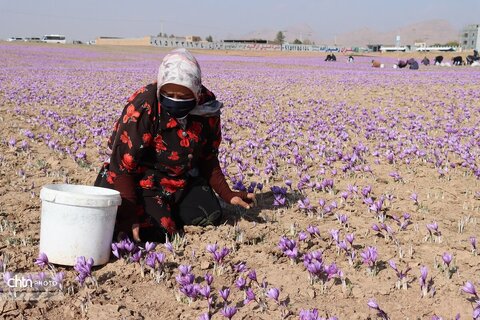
[(367, 182)]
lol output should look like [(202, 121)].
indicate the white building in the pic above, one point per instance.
[(470, 38)]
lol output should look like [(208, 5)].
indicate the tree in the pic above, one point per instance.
[(280, 38), (452, 44), (209, 39), (296, 41)]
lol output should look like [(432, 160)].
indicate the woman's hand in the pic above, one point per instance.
[(136, 232), (238, 201)]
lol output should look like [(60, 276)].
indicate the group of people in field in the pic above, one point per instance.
[(473, 60)]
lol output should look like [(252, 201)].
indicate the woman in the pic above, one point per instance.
[(164, 157)]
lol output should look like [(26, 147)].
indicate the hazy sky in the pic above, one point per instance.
[(87, 19)]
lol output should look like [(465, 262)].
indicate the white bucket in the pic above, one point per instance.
[(76, 221)]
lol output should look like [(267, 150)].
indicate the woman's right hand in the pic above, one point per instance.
[(238, 201)]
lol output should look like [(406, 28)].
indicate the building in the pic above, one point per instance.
[(145, 41), (470, 38), (193, 38)]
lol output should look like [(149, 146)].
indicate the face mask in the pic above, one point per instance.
[(177, 108)]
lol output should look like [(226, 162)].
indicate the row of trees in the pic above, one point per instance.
[(164, 35), (280, 39)]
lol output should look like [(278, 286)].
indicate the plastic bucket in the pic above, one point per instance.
[(76, 221)]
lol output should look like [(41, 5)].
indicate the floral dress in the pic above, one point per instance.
[(153, 157)]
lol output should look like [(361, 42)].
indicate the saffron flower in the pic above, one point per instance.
[(228, 312), (470, 289), (273, 293), (224, 293), (42, 260)]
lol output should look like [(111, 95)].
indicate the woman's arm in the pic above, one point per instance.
[(129, 139), (210, 167)]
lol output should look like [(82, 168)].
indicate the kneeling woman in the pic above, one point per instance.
[(164, 155)]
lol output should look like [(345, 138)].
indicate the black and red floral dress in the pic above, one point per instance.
[(154, 159)]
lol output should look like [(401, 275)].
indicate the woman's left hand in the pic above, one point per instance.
[(237, 201)]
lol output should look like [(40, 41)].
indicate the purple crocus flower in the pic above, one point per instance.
[(150, 246), (42, 260), (58, 278), (433, 228), (228, 312), (447, 258), (190, 290), (208, 278), (240, 267), (372, 304), (212, 248), (252, 275), (7, 276), (473, 243), (414, 197), (335, 234), (249, 296), (240, 283), (224, 293), (184, 280), (169, 246), (151, 259), (350, 238), (136, 256), (331, 270), (302, 236), (309, 315), (366, 191), (369, 256), (184, 269), (423, 276), (205, 291), (470, 289), (218, 256), (84, 269), (273, 293), (204, 316), (313, 231), (116, 250)]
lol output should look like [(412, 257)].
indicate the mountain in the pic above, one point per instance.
[(299, 31), (431, 32)]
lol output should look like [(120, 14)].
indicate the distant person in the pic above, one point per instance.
[(426, 61), (377, 64), (475, 58), (401, 64), (438, 60), (413, 64), (350, 59), (457, 61), (328, 57), (334, 58)]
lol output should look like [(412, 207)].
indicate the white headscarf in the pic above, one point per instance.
[(180, 67)]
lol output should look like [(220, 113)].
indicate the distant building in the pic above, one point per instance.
[(470, 38), (193, 38), (374, 47), (116, 41)]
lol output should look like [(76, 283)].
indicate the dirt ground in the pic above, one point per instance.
[(305, 116)]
